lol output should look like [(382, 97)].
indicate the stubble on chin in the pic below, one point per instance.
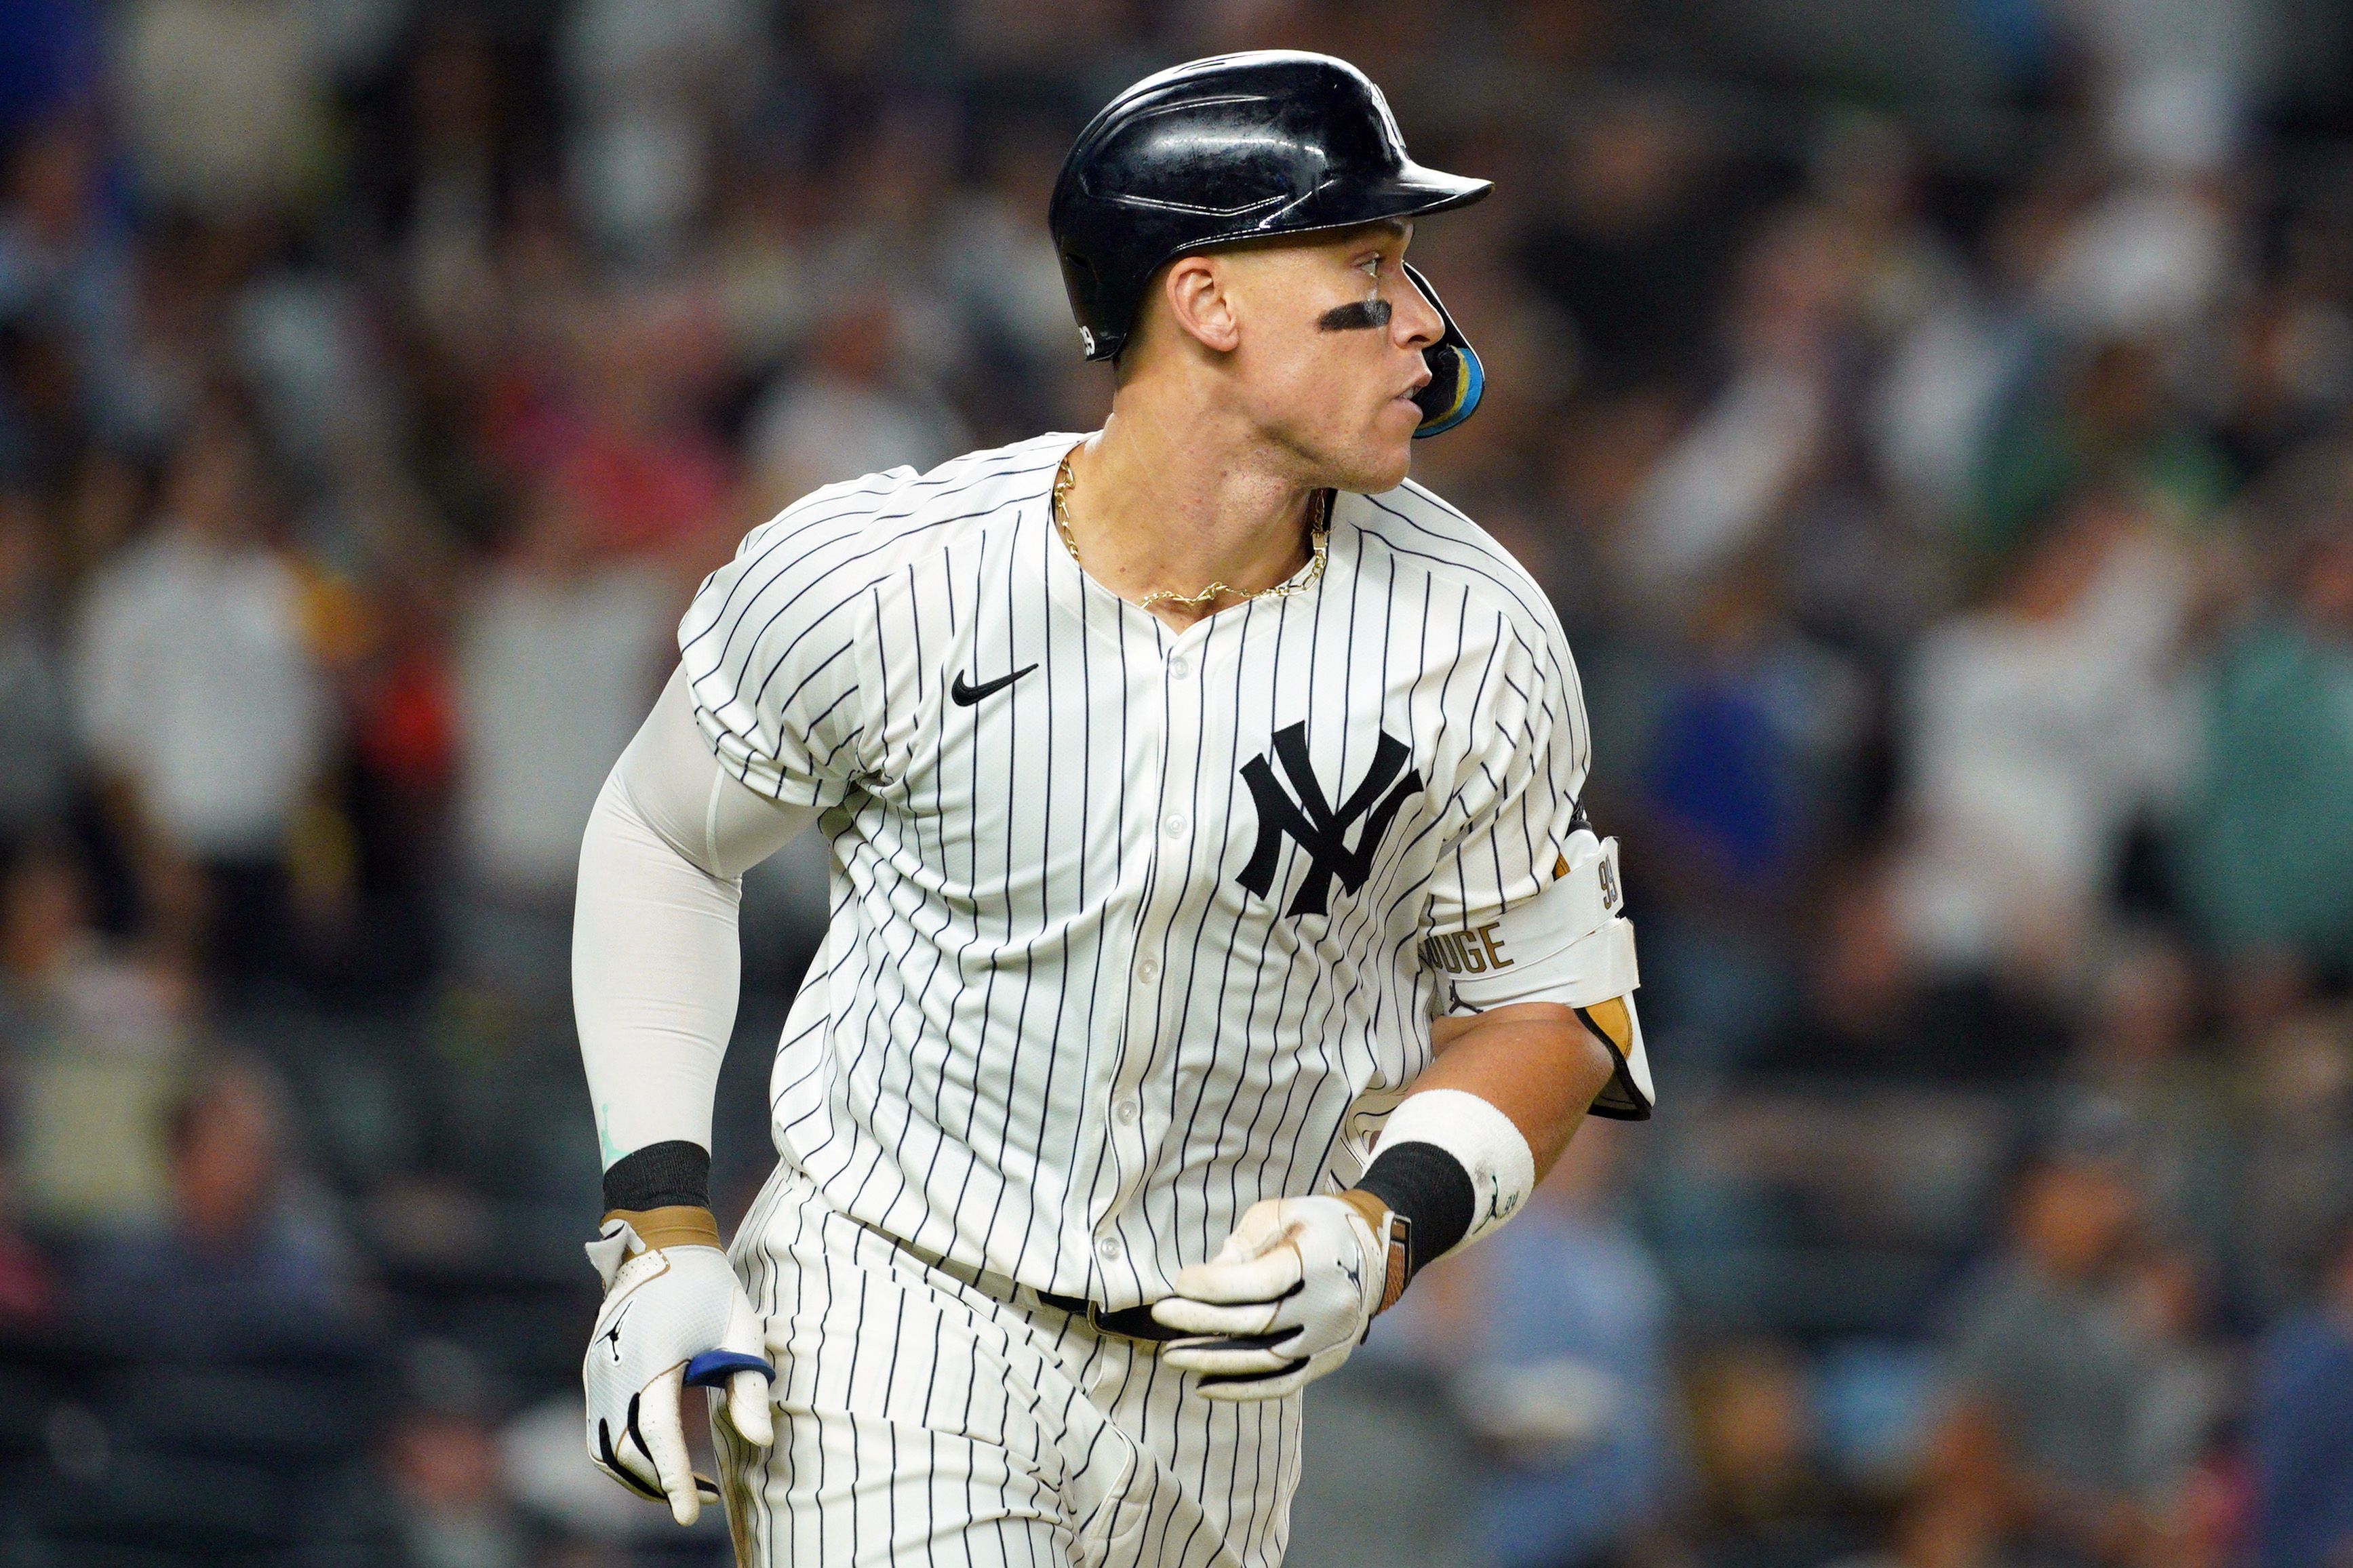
[(1373, 477)]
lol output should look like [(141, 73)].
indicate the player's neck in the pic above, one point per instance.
[(1165, 505)]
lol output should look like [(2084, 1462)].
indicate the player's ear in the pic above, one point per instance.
[(1202, 303)]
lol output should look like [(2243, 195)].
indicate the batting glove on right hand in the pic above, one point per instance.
[(674, 1315), (1283, 1302)]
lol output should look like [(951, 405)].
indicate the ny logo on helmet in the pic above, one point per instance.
[(1320, 830)]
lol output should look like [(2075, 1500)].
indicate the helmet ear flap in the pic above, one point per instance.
[(1457, 380)]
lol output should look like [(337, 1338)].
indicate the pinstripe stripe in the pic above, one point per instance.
[(951, 1072)]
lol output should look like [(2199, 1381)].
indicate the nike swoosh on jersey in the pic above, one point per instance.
[(966, 695)]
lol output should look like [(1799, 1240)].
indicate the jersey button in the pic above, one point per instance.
[(1147, 972), (1126, 1110), (1175, 825), (1177, 669), (1107, 1248)]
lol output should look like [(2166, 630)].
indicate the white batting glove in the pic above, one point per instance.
[(674, 1315), (1284, 1301)]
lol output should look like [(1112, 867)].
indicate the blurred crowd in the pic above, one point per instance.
[(1933, 423)]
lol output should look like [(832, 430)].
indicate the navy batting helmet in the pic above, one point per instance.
[(1241, 147)]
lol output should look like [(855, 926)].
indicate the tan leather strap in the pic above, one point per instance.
[(1613, 1022), (1396, 1232), (682, 1225)]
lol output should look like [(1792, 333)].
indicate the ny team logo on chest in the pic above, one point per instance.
[(1320, 830)]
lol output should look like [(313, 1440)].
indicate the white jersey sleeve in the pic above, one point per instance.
[(1524, 905), (779, 649), (1518, 787)]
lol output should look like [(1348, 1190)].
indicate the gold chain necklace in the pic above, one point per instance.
[(1321, 536)]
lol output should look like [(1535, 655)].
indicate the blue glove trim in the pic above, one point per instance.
[(712, 1368)]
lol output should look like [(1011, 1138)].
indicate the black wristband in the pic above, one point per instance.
[(675, 1174), (1432, 1189)]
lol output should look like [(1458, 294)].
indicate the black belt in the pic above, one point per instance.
[(1128, 1323)]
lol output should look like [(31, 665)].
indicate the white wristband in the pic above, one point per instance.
[(1502, 1168)]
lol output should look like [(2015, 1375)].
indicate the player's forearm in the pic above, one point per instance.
[(655, 970), (1482, 1125), (655, 960), (1533, 1061)]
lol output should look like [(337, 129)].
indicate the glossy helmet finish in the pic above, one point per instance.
[(1241, 147)]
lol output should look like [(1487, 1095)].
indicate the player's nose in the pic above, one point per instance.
[(1414, 322)]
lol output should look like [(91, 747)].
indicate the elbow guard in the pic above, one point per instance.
[(1572, 944)]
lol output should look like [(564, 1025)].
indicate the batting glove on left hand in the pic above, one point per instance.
[(674, 1315), (1283, 1302)]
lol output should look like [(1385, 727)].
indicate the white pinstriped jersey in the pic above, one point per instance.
[(1126, 921)]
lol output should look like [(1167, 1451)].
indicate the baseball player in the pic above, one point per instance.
[(1216, 937)]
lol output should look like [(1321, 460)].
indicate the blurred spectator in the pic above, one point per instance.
[(2101, 414), (1730, 476), (2040, 730), (1745, 751), (647, 91), (1639, 229), (2188, 1397), (225, 103), (849, 411), (203, 707), (94, 1043), (452, 169), (245, 1266), (28, 1286), (1946, 382), (1867, 1006), (606, 406), (559, 657), (448, 1493), (37, 744), (2062, 1438), (141, 397), (65, 261), (1765, 1502), (2301, 1428), (1570, 1382), (1752, 732), (2140, 1077), (226, 1351), (2298, 1164), (2290, 348), (2267, 844), (997, 260)]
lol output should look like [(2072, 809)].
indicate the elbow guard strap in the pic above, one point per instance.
[(1571, 944)]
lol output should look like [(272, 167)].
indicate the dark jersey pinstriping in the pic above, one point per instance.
[(1050, 1033)]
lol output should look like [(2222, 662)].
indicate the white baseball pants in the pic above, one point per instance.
[(928, 1417)]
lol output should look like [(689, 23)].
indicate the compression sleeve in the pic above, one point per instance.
[(655, 961)]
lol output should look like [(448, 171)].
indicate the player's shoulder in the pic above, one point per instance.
[(874, 526), (1428, 539)]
